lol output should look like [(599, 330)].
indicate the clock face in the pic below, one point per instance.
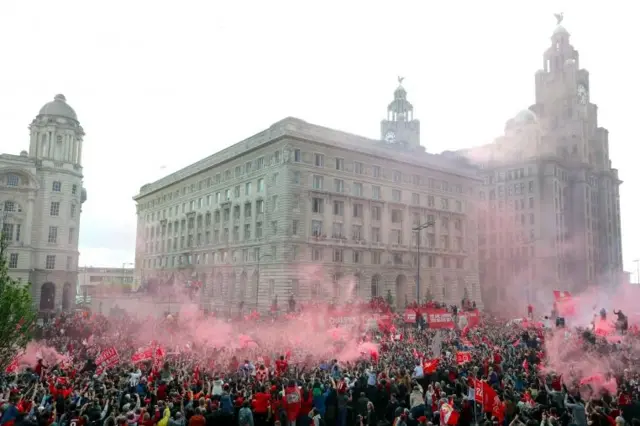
[(390, 136), (582, 94)]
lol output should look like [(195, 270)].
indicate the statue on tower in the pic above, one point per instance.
[(400, 80), (559, 17)]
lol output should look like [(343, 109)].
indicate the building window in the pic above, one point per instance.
[(13, 261), (338, 208), (56, 186), (258, 229), (358, 210), (357, 189), (55, 208), (316, 255), (259, 207), (318, 160), (297, 155), (13, 180), (72, 211), (53, 235), (396, 195), (7, 231), (357, 256), (316, 228), (376, 258), (74, 189), (376, 213), (339, 184), (376, 171), (296, 177), (415, 199), (317, 182), (376, 192), (396, 216), (339, 163), (50, 262), (397, 176), (317, 205), (358, 168), (294, 227), (260, 185), (338, 256)]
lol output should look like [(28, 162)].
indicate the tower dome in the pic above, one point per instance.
[(526, 116), (59, 108)]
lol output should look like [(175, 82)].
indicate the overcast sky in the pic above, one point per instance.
[(160, 84)]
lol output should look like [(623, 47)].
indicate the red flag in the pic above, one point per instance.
[(430, 366), (564, 302), (462, 357), (107, 358), (525, 365)]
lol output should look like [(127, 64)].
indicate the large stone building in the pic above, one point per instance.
[(93, 281), (549, 212), (311, 211), (41, 195)]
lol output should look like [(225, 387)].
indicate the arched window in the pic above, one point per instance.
[(375, 286)]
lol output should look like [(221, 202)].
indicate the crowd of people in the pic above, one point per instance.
[(499, 372)]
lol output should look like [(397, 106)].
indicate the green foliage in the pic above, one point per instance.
[(17, 313), (389, 298)]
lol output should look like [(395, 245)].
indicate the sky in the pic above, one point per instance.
[(159, 84)]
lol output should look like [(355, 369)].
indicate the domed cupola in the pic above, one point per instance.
[(59, 107), (56, 133), (525, 117)]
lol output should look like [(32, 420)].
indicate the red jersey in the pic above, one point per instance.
[(281, 366), (261, 402), (293, 402)]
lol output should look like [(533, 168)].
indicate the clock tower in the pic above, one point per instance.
[(400, 129), (563, 104)]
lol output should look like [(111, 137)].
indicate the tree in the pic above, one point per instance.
[(17, 313), (389, 298)]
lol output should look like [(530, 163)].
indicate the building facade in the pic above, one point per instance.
[(92, 280), (314, 212), (41, 194), (549, 209)]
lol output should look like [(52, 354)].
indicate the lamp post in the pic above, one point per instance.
[(258, 277), (637, 262), (417, 229)]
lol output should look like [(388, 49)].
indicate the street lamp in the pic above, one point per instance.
[(258, 277), (417, 229), (637, 262)]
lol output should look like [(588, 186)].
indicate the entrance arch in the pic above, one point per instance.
[(47, 296), (401, 291), (67, 297)]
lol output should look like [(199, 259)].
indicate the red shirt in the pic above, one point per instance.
[(261, 402), (281, 366), (293, 402)]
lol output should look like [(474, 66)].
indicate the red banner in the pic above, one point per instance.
[(439, 318), (473, 318), (410, 316), (142, 355), (107, 358)]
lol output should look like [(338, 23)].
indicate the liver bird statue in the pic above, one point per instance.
[(559, 17)]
